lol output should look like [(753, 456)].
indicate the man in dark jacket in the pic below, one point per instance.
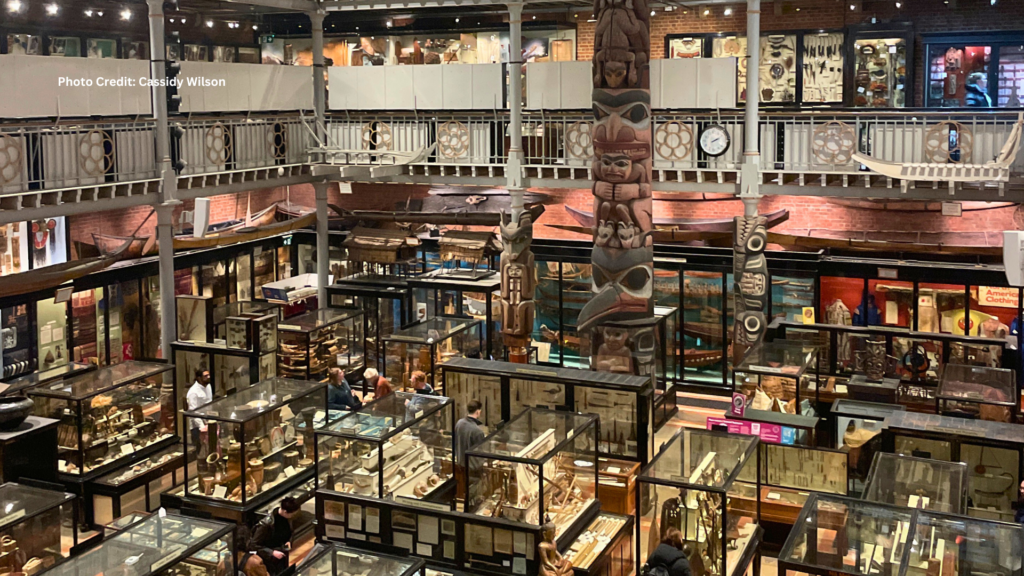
[(669, 555), (273, 535), (339, 393), (468, 433)]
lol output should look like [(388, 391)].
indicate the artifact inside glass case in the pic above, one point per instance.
[(313, 343), (398, 447), (108, 414), (256, 439), (806, 469), (702, 327), (338, 561), (699, 481), (977, 392), (195, 318), (137, 488), (944, 545), (160, 544), (858, 428), (880, 73), (777, 376), (917, 483), (426, 345), (540, 466), (36, 528), (608, 533)]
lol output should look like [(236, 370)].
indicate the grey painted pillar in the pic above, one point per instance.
[(513, 169), (165, 211), (323, 249), (316, 20), (750, 191)]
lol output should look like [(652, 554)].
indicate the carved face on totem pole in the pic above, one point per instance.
[(518, 279), (622, 44), (750, 275)]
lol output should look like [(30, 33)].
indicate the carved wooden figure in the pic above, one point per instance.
[(518, 284), (750, 283)]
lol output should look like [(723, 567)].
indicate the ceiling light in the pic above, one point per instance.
[(728, 11), (668, 8), (209, 23), (652, 12), (52, 9), (707, 11), (389, 23), (899, 5), (14, 6), (126, 14), (100, 14), (172, 20), (456, 20), (853, 6), (255, 27), (88, 14), (993, 2), (534, 16)]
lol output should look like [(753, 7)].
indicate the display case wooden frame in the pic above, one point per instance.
[(112, 499), (775, 507), (386, 304), (194, 318), (514, 386), (428, 338), (596, 557), (343, 561), (857, 413), (431, 288), (310, 344), (35, 518)]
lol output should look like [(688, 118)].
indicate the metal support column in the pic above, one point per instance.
[(750, 174), (514, 167), (323, 248), (316, 21), (165, 211)]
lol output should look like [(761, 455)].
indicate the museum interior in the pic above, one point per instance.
[(533, 287)]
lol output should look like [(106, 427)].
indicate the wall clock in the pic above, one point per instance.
[(714, 140)]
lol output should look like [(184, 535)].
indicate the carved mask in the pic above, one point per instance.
[(623, 283), (623, 123), (644, 344)]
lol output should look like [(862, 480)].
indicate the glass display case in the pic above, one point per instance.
[(249, 339), (137, 488), (880, 72), (440, 293), (258, 443), (385, 302), (846, 536), (398, 447), (160, 544), (338, 561), (778, 376), (23, 383), (37, 527), (858, 431), (790, 473), (704, 484), (426, 345), (992, 452), (313, 343), (978, 392), (110, 416), (541, 464), (623, 402), (917, 483), (666, 367), (943, 544), (605, 548)]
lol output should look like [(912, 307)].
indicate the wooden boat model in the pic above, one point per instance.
[(687, 224), (997, 170), (710, 332), (244, 234), (693, 358), (979, 243), (53, 276)]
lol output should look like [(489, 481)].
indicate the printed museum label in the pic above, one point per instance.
[(998, 296)]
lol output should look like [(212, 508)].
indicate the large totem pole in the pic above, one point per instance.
[(750, 284), (618, 321), (518, 281)]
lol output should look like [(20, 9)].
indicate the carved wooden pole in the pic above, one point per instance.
[(518, 282), (619, 318)]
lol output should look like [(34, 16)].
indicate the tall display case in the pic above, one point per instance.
[(697, 485), (313, 343), (542, 463), (109, 417), (259, 443), (857, 429), (37, 527), (978, 392), (426, 345), (917, 483), (398, 447), (623, 402), (440, 293), (993, 452), (170, 544), (386, 304), (789, 474), (338, 561), (779, 374), (137, 488)]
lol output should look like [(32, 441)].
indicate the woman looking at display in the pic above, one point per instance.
[(339, 393), (668, 558)]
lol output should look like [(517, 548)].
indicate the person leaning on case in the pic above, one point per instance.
[(669, 558), (272, 537)]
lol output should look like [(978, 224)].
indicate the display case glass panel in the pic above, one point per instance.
[(733, 47), (336, 561), (940, 308), (17, 342), (807, 469), (463, 387), (426, 345), (576, 291), (858, 428), (997, 309), (880, 73), (702, 484), (952, 544), (547, 320), (958, 76), (790, 295), (702, 328), (398, 447), (313, 343), (823, 67), (774, 372), (109, 414), (917, 483), (257, 440), (893, 303), (37, 527), (778, 68), (51, 333), (86, 326), (978, 392), (1011, 77), (137, 488), (685, 47), (540, 463)]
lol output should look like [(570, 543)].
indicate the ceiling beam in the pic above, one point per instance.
[(293, 5), (352, 5)]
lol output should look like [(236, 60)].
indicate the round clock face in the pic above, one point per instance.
[(714, 140)]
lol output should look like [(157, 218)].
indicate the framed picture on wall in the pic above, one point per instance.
[(249, 55), (24, 44), (223, 53), (195, 53), (65, 46), (131, 50), (173, 52), (101, 48)]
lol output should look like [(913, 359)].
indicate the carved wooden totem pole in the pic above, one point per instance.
[(619, 318), (518, 281), (750, 284)]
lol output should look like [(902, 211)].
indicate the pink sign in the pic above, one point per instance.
[(771, 433)]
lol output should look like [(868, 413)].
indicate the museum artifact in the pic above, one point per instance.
[(13, 411), (518, 285), (750, 283)]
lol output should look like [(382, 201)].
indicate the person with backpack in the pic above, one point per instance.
[(668, 559)]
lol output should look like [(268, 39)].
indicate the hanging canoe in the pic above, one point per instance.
[(53, 276), (244, 234), (688, 224)]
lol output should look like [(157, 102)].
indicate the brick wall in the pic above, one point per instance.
[(927, 17)]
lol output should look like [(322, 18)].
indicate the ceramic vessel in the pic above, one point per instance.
[(13, 411)]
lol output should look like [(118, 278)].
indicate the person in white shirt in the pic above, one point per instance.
[(199, 394)]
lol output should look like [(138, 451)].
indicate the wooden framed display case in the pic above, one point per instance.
[(780, 375), (623, 402), (109, 418), (542, 463), (946, 542), (697, 485), (138, 488), (398, 447), (666, 369), (605, 548), (258, 445), (194, 318), (992, 451), (313, 343), (917, 483), (978, 392), (857, 429), (338, 561), (616, 487), (252, 310), (789, 474), (38, 527), (302, 522), (160, 544), (443, 294), (426, 345), (386, 304)]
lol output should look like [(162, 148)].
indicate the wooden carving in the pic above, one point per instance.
[(518, 284), (750, 283)]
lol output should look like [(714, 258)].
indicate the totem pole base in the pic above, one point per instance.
[(625, 347)]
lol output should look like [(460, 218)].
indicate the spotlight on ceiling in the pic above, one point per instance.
[(126, 14), (14, 6), (52, 9), (728, 11), (209, 23), (88, 14)]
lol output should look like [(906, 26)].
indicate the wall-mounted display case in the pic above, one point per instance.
[(697, 484), (386, 305), (992, 452), (37, 527), (622, 401), (259, 443), (439, 293), (978, 392), (426, 345), (109, 417), (313, 343), (857, 430), (973, 70), (338, 561), (542, 463), (922, 483), (137, 488), (398, 447), (160, 544)]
